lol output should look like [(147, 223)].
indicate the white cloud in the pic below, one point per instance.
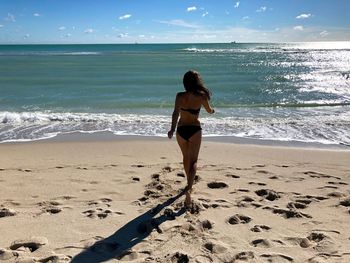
[(26, 36), (10, 17), (261, 9), (298, 28), (191, 8), (303, 16), (178, 22), (36, 14), (123, 35), (68, 35), (324, 33), (205, 14), (89, 31), (62, 28), (245, 18), (126, 16), (142, 36), (237, 4), (1, 26)]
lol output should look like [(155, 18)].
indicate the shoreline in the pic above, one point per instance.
[(109, 136)]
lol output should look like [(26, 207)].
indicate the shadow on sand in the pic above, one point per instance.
[(119, 244)]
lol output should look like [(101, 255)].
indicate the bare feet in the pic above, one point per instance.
[(188, 199)]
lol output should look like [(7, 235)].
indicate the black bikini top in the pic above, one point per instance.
[(192, 111)]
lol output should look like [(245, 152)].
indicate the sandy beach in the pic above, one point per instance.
[(120, 200)]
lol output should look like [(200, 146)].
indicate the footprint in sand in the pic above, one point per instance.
[(215, 247), (25, 170), (138, 165), (338, 183), (257, 183), (5, 212), (248, 201), (260, 228), (321, 242), (259, 165), (296, 205), (280, 258), (32, 244), (239, 219), (55, 258), (268, 194), (336, 194), (299, 241), (178, 257), (203, 259), (288, 213), (100, 213), (345, 202), (265, 243), (206, 225), (314, 198), (217, 185), (51, 207), (167, 169), (244, 256), (232, 176), (328, 187), (7, 255), (313, 174), (206, 203)]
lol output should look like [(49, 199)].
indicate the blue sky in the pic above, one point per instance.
[(173, 21)]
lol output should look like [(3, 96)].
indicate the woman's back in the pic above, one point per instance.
[(190, 104)]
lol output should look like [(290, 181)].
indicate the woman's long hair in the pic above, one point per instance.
[(193, 82)]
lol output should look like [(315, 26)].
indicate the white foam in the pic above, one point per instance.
[(323, 125)]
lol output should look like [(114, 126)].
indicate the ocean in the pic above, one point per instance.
[(279, 91)]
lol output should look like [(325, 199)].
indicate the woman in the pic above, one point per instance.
[(189, 131)]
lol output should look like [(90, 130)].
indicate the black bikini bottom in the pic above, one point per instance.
[(187, 131)]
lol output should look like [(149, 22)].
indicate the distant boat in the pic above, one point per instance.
[(234, 42)]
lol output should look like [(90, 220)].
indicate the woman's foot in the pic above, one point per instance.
[(188, 199)]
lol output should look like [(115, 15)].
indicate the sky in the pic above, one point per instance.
[(173, 21)]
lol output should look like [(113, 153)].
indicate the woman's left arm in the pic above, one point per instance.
[(175, 116)]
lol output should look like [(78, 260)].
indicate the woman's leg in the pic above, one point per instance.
[(184, 149), (190, 151), (193, 152)]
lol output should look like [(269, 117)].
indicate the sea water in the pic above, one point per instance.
[(285, 91)]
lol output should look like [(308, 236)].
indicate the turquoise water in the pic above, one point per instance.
[(287, 91)]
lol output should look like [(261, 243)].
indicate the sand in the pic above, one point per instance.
[(120, 200)]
